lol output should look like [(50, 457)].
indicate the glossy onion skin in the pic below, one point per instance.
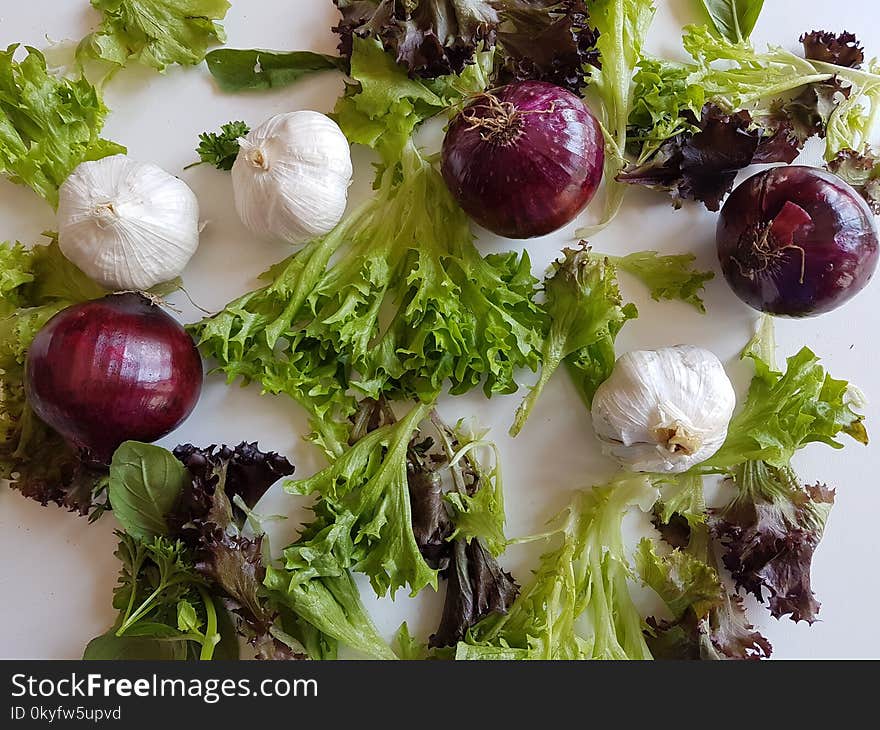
[(110, 370), (536, 183), (827, 260)]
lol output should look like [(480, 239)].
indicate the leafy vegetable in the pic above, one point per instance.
[(221, 149), (546, 40), (209, 518), (772, 526), (429, 39), (586, 313), (35, 284), (315, 333), (668, 277), (733, 19), (862, 171), (776, 97), (409, 648), (363, 521), (622, 26), (156, 33), (842, 49), (578, 605), (707, 622), (242, 70), (48, 125), (146, 482), (703, 165)]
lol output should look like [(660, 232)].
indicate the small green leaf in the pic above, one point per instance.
[(248, 70), (733, 19), (187, 618), (109, 647), (145, 483)]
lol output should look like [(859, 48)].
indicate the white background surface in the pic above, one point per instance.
[(57, 572)]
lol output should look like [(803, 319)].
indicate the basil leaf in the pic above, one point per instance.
[(240, 70), (145, 483), (108, 647), (734, 19)]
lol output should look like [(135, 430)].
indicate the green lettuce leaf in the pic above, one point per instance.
[(156, 33), (48, 125), (668, 277), (578, 604), (623, 27), (333, 606), (586, 314), (364, 518)]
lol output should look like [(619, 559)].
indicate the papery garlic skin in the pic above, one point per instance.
[(664, 410), (127, 225), (292, 175)]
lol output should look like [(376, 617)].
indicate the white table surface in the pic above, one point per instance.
[(57, 571)]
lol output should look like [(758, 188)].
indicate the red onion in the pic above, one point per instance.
[(796, 241), (524, 160), (110, 370)]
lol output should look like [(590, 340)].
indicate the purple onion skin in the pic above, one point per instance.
[(111, 370), (822, 256), (537, 173)]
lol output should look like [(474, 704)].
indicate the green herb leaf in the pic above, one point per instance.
[(586, 314), (156, 33), (146, 482), (668, 277), (110, 647), (733, 19), (48, 125), (221, 149), (240, 70)]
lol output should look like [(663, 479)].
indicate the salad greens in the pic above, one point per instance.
[(623, 27), (586, 313), (314, 333), (668, 277), (772, 526), (578, 604), (241, 70), (48, 125), (156, 33)]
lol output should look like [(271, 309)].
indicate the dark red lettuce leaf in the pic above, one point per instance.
[(862, 171), (703, 165), (48, 470), (769, 533), (808, 112), (234, 564), (430, 519), (476, 586), (244, 471), (842, 49), (430, 37), (546, 40)]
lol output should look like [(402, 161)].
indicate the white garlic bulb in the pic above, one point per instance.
[(664, 410), (127, 224), (292, 175)]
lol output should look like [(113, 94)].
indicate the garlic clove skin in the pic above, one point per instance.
[(292, 176), (127, 225), (664, 410)]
